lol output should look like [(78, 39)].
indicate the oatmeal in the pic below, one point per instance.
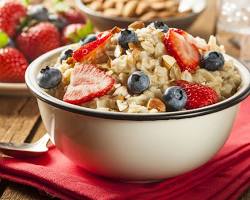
[(147, 70)]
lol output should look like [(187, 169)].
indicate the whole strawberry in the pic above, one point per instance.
[(11, 13), (73, 16), (198, 95), (70, 33), (38, 40), (75, 32), (12, 65)]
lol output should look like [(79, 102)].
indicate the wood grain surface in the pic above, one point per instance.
[(20, 120)]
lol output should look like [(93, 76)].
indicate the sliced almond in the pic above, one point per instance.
[(155, 103), (158, 6), (129, 9), (96, 5), (168, 61), (109, 4), (171, 4), (137, 25), (122, 105), (111, 12), (142, 7), (149, 15), (119, 6)]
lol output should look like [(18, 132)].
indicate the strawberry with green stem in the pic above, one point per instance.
[(75, 32), (38, 39)]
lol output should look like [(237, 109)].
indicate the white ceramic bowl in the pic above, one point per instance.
[(136, 147)]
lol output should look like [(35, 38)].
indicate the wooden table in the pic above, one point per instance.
[(20, 120)]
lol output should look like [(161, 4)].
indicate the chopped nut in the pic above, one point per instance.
[(70, 61), (96, 5), (168, 61), (111, 12), (158, 6), (149, 15), (142, 8), (137, 25), (122, 105), (109, 4), (157, 104), (121, 91), (129, 8)]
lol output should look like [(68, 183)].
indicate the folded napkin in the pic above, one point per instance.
[(226, 176)]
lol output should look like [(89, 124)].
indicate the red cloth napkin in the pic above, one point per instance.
[(226, 176)]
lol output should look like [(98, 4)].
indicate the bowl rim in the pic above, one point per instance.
[(89, 11), (40, 94)]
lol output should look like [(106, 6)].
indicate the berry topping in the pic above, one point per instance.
[(175, 98), (138, 82), (198, 95), (66, 54), (49, 78), (89, 51), (125, 37), (212, 61), (38, 39), (12, 65), (89, 38), (161, 25), (38, 12), (87, 82), (185, 53)]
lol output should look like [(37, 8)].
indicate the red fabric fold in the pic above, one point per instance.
[(226, 176)]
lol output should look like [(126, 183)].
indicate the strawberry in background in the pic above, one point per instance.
[(12, 62), (38, 40), (28, 31), (11, 14), (75, 32)]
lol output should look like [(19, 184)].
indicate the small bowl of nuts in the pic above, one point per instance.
[(107, 13)]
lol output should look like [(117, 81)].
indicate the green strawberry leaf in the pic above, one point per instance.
[(85, 30), (26, 2), (4, 39), (81, 33)]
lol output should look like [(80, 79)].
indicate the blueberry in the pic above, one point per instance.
[(66, 54), (89, 38), (175, 98), (58, 21), (49, 78), (212, 61), (161, 25), (138, 82), (11, 43), (38, 12), (125, 37)]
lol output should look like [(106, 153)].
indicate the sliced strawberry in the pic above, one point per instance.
[(185, 53), (198, 95), (87, 82), (89, 52)]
